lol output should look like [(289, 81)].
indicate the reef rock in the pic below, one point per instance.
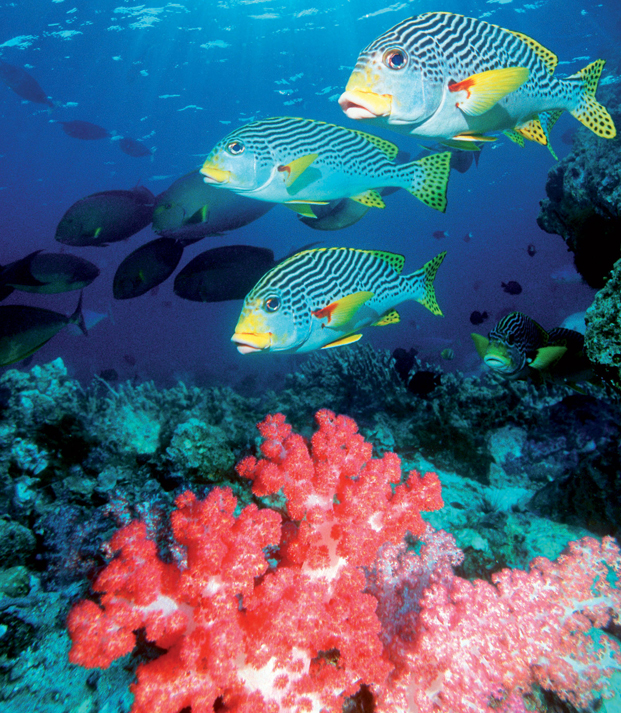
[(603, 333), (584, 199)]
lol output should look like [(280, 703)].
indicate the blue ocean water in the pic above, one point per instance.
[(178, 77)]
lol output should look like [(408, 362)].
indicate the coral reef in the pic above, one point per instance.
[(345, 603), (584, 199), (603, 333), (511, 455)]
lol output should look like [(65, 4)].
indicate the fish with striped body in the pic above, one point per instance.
[(453, 79), (322, 298), (301, 162), (517, 344)]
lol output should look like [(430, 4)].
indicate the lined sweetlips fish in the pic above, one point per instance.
[(301, 162), (322, 298), (517, 343), (454, 79)]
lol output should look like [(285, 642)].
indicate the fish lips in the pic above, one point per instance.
[(363, 104), (215, 175), (249, 342), (497, 364)]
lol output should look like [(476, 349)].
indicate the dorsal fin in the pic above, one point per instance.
[(389, 149), (548, 57), (395, 260)]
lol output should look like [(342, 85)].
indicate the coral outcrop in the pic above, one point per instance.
[(583, 202)]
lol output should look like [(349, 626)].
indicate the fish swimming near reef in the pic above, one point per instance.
[(190, 209), (517, 344), (224, 273), (84, 130), (23, 84), (106, 217), (321, 298), (450, 78), (24, 330), (511, 287), (48, 273), (301, 162), (134, 148), (146, 267)]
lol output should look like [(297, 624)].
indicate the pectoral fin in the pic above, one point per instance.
[(343, 341), (343, 311), (370, 198), (480, 343), (294, 169), (485, 89), (546, 357)]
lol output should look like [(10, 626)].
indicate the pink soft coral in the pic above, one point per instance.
[(344, 601)]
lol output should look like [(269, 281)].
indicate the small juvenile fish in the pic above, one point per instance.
[(516, 344), (300, 162), (321, 298), (512, 287), (451, 78)]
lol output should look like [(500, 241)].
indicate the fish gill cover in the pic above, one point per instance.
[(109, 112)]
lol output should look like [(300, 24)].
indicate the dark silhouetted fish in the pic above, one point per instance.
[(134, 148), (129, 359), (23, 84), (531, 250), (49, 273), (84, 130), (106, 217), (336, 215), (462, 160), (24, 330), (146, 267), (512, 287), (224, 273), (439, 234), (190, 209), (478, 317)]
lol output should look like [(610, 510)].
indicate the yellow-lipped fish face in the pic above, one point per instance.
[(268, 322), (502, 358), (232, 164), (388, 85)]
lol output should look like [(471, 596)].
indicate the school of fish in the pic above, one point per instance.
[(441, 77)]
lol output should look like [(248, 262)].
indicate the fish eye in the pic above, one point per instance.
[(395, 58), (272, 303), (235, 148)]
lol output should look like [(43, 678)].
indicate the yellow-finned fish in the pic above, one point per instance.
[(321, 298), (451, 78), (301, 162), (517, 344)]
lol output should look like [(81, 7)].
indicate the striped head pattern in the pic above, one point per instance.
[(291, 307), (405, 72), (513, 343)]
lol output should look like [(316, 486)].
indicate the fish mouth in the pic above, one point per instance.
[(497, 364), (249, 342), (363, 104), (214, 175)]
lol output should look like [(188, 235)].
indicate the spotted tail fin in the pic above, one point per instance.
[(430, 179), (589, 111), (426, 275)]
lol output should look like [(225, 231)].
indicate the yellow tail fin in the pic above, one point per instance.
[(436, 168), (589, 111)]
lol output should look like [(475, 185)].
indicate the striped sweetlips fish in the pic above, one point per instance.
[(453, 79), (322, 298), (517, 344), (301, 162)]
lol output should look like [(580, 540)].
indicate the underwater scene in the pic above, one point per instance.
[(310, 356)]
